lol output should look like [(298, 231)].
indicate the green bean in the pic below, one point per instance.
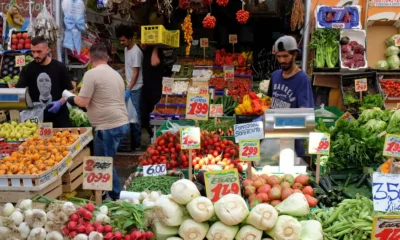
[(153, 183)]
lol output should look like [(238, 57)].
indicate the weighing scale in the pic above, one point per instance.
[(288, 125), (15, 99)]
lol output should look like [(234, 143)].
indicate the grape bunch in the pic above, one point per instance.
[(242, 16), (209, 21)]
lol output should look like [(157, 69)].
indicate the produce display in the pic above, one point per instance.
[(20, 41), (240, 60), (59, 139), (238, 89), (173, 100), (392, 62), (352, 53), (188, 32), (153, 183), (391, 88), (14, 131), (252, 104), (223, 127), (228, 103), (325, 43)]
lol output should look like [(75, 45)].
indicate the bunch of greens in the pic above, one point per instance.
[(78, 117), (394, 123), (326, 45), (371, 100), (351, 102), (374, 113)]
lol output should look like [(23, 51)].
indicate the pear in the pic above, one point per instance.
[(2, 134), (14, 123)]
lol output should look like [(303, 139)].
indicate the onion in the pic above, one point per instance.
[(104, 209), (4, 231), (154, 196), (17, 217), (81, 236), (101, 217), (37, 233), (95, 236), (54, 235), (8, 209), (24, 230), (36, 219), (69, 208), (143, 195), (25, 204)]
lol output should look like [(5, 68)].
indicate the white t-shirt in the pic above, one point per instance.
[(134, 58)]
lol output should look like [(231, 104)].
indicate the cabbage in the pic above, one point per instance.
[(394, 123), (375, 126), (382, 65), (392, 50), (78, 117), (394, 62), (390, 41)]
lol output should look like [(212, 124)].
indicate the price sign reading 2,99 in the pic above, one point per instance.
[(98, 173), (249, 149), (197, 106), (221, 183)]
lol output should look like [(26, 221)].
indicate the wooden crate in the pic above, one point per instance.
[(73, 178), (52, 191)]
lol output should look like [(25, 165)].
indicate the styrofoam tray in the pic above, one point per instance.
[(358, 36)]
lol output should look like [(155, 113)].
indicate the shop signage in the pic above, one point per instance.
[(203, 89), (348, 117), (176, 68), (197, 106), (20, 61), (155, 170), (233, 38), (361, 85), (168, 85), (221, 183), (252, 130), (190, 138), (45, 130), (385, 192), (98, 173), (392, 146), (203, 42), (249, 150), (385, 3), (216, 110), (319, 143), (386, 228)]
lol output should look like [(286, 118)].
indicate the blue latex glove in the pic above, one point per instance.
[(55, 106), (127, 94)]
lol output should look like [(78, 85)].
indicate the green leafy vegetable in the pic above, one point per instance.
[(376, 126), (394, 123), (78, 117), (371, 100), (326, 45)]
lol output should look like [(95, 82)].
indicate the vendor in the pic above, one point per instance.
[(46, 79), (290, 87)]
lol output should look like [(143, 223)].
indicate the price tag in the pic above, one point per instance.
[(155, 170), (221, 183), (20, 61), (203, 89), (197, 73), (253, 130), (203, 42), (168, 85), (249, 150), (98, 173), (385, 192), (386, 228), (392, 146), (33, 120), (233, 38), (190, 138), (45, 130), (195, 42), (176, 68), (197, 106), (348, 117), (319, 143), (361, 85), (216, 110), (229, 73)]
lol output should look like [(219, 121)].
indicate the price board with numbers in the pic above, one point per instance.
[(221, 183), (391, 148), (249, 150), (348, 117), (386, 192), (98, 173), (233, 38), (176, 68), (167, 85), (216, 110), (45, 130), (190, 138), (33, 120), (197, 106), (203, 42), (361, 85), (155, 170), (229, 73), (386, 228), (20, 61), (319, 143)]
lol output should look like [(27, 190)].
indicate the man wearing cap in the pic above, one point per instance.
[(290, 86)]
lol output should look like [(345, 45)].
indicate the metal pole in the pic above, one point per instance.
[(59, 24), (306, 33)]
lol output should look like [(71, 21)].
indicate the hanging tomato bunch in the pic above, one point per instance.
[(209, 21), (222, 3), (188, 32), (184, 4), (207, 3), (242, 16)]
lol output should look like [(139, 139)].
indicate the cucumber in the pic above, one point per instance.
[(327, 180), (369, 183), (324, 186), (333, 180), (347, 180), (363, 178)]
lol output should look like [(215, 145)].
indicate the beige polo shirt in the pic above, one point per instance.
[(106, 89)]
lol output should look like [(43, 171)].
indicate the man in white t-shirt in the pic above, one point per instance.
[(134, 76)]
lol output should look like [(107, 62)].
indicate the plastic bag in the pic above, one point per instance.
[(323, 113), (132, 114), (35, 113), (172, 127)]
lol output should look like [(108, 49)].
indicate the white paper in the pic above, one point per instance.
[(252, 130), (385, 192)]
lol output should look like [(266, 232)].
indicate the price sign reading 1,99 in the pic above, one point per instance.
[(392, 146), (197, 106), (98, 173), (221, 183), (190, 138)]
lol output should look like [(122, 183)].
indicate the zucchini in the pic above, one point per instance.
[(347, 195), (333, 180), (327, 181), (347, 180), (363, 179), (356, 179), (324, 186)]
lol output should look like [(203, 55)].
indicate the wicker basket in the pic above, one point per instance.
[(140, 174)]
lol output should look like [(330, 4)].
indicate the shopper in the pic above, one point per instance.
[(134, 76), (290, 86), (103, 95), (46, 79)]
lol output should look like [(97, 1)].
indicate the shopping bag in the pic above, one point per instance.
[(35, 114), (132, 114)]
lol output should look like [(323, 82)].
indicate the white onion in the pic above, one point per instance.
[(24, 230), (25, 204), (104, 209), (81, 236), (8, 209), (95, 236), (69, 208), (37, 234), (17, 217)]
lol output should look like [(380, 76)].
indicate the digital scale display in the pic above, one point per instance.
[(9, 98), (290, 122)]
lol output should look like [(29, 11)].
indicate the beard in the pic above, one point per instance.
[(40, 60), (286, 66)]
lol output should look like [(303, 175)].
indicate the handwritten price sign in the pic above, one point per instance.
[(348, 117), (249, 150), (176, 68), (190, 138), (233, 38), (155, 170), (168, 84), (20, 61), (385, 192), (98, 173), (319, 143), (392, 146), (221, 183), (229, 73), (361, 85), (197, 106), (386, 228), (203, 42), (216, 110), (45, 130)]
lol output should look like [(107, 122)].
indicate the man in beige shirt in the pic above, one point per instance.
[(103, 95)]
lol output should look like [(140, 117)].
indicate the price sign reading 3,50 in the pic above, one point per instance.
[(155, 170), (190, 138), (385, 192), (319, 143), (249, 150), (221, 183), (361, 85), (392, 146), (45, 130), (98, 173), (216, 110), (197, 106)]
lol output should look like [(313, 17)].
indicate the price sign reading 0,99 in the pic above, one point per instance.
[(221, 183), (98, 173), (319, 143), (197, 106), (392, 146), (45, 130)]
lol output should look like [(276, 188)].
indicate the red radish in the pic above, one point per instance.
[(149, 235), (255, 202), (286, 193), (263, 197), (87, 215), (312, 202), (135, 235), (81, 211), (248, 190), (95, 224), (72, 225), (90, 207), (89, 229), (80, 229), (274, 193), (275, 202), (65, 231), (308, 190), (73, 234), (108, 228), (118, 235), (302, 179), (264, 189), (74, 217), (297, 186), (100, 229), (127, 237), (108, 236)]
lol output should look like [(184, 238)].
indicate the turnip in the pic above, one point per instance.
[(17, 217)]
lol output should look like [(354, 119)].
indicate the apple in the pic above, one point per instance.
[(13, 36), (25, 35), (22, 41), (14, 41), (28, 40), (14, 47), (20, 46), (27, 46), (19, 35)]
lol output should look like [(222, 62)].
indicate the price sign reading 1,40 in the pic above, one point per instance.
[(98, 173), (392, 146), (386, 228), (249, 150), (221, 183), (197, 106), (319, 143), (216, 110), (45, 130), (361, 85), (190, 138)]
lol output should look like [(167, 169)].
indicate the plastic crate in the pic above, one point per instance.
[(158, 35), (168, 123), (329, 121)]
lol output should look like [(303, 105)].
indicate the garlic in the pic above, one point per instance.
[(25, 204), (37, 233), (95, 236), (81, 236), (36, 219), (69, 208), (54, 235)]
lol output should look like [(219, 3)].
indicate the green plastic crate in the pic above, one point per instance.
[(329, 121), (166, 125)]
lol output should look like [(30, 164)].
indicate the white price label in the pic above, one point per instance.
[(155, 170), (385, 192)]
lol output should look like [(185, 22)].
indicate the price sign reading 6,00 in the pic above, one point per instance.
[(155, 170), (319, 143), (386, 228), (392, 146), (190, 138), (197, 106), (249, 150), (221, 183), (45, 130), (98, 173)]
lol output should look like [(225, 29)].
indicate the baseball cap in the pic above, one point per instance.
[(286, 43)]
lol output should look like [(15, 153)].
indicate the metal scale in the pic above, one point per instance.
[(15, 99), (288, 125)]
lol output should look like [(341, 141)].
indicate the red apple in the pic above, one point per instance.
[(20, 46), (22, 41), (19, 35), (25, 35), (28, 40), (14, 41), (27, 46), (13, 36), (14, 47)]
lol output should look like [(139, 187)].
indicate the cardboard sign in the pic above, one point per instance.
[(45, 130), (249, 150), (348, 117), (167, 85), (233, 38), (20, 61), (190, 138), (319, 143), (216, 110), (361, 85), (229, 73), (386, 228), (392, 146), (203, 42), (221, 183), (252, 130), (155, 170), (197, 106), (98, 173), (176, 68), (385, 192)]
